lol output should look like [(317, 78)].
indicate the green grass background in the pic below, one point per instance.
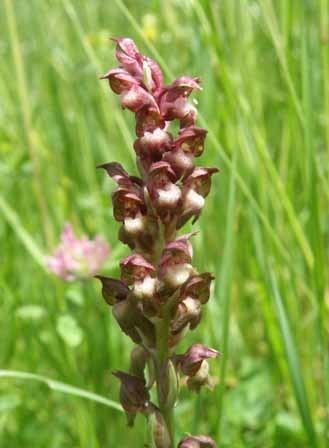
[(264, 231)]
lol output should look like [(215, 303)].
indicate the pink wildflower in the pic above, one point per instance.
[(76, 258)]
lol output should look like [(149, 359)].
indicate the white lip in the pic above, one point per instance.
[(194, 200), (169, 196), (145, 288), (133, 226), (178, 274)]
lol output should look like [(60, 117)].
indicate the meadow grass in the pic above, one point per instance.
[(264, 231)]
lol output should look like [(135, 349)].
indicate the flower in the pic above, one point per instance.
[(191, 361), (134, 396), (194, 364), (160, 294), (76, 258), (175, 262), (197, 442)]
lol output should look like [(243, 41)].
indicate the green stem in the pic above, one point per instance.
[(162, 354)]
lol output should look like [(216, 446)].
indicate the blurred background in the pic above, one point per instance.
[(264, 230)]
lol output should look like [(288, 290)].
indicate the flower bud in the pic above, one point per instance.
[(134, 396), (128, 55), (120, 80), (201, 378), (113, 290), (135, 268), (159, 431), (136, 98), (143, 68), (191, 361), (197, 442), (138, 359), (133, 323), (168, 385)]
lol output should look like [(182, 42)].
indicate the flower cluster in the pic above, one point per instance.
[(160, 294), (77, 258)]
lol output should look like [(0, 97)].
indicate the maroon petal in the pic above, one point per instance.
[(113, 290), (182, 86), (162, 169), (200, 180), (131, 184), (190, 117), (135, 267), (133, 323), (136, 98), (125, 47), (188, 313), (147, 120), (181, 162), (197, 442), (120, 80), (126, 204), (179, 249), (179, 109), (190, 362), (115, 170), (143, 68), (134, 396), (195, 188), (153, 144), (191, 140), (163, 191), (128, 55), (198, 286)]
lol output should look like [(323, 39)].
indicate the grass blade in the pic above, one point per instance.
[(14, 221), (224, 293), (294, 365), (61, 387)]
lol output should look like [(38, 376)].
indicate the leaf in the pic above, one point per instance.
[(30, 312), (69, 330)]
